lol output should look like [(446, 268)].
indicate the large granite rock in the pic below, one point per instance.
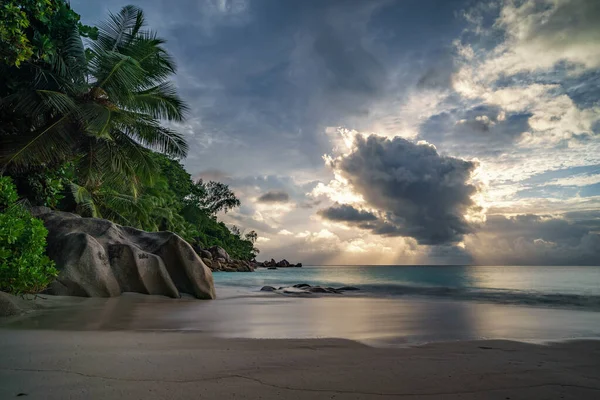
[(205, 254), (219, 252), (98, 258)]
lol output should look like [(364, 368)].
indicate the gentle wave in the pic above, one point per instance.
[(590, 302), (568, 287)]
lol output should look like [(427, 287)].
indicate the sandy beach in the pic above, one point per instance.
[(176, 365), (271, 347)]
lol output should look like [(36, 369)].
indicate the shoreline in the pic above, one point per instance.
[(377, 322)]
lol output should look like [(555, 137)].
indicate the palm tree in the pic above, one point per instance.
[(101, 107)]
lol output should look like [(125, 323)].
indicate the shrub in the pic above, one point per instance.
[(24, 267)]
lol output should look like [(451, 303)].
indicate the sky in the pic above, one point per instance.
[(394, 131)]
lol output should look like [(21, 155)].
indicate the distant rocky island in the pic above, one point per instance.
[(281, 264), (217, 259)]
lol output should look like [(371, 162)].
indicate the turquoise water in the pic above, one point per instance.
[(395, 306), (567, 287)]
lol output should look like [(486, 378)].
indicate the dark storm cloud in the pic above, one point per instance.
[(346, 213), (542, 240), (420, 193), (274, 197)]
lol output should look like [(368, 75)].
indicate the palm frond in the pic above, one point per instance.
[(58, 103), (97, 119), (70, 61), (160, 102), (156, 137), (117, 74), (51, 144), (119, 28), (120, 163), (147, 49), (85, 201)]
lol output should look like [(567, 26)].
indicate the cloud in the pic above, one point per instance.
[(541, 34), (544, 52), (274, 196), (537, 239), (524, 103), (418, 192), (487, 129), (346, 213)]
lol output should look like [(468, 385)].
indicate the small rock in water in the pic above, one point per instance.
[(297, 292), (272, 268), (267, 289), (317, 289), (302, 285), (348, 288)]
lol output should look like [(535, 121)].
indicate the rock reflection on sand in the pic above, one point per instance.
[(379, 322)]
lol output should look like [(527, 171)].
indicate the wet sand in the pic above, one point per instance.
[(58, 365), (378, 322)]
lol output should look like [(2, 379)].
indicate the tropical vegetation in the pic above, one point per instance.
[(24, 266), (85, 124)]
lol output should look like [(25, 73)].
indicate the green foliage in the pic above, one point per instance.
[(102, 111), (212, 197), (251, 236), (24, 267), (8, 193), (179, 181), (45, 186), (80, 128), (32, 30), (210, 232), (48, 187)]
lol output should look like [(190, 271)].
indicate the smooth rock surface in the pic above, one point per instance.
[(219, 252), (98, 258)]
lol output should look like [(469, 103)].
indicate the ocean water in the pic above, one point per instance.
[(395, 306), (548, 286)]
